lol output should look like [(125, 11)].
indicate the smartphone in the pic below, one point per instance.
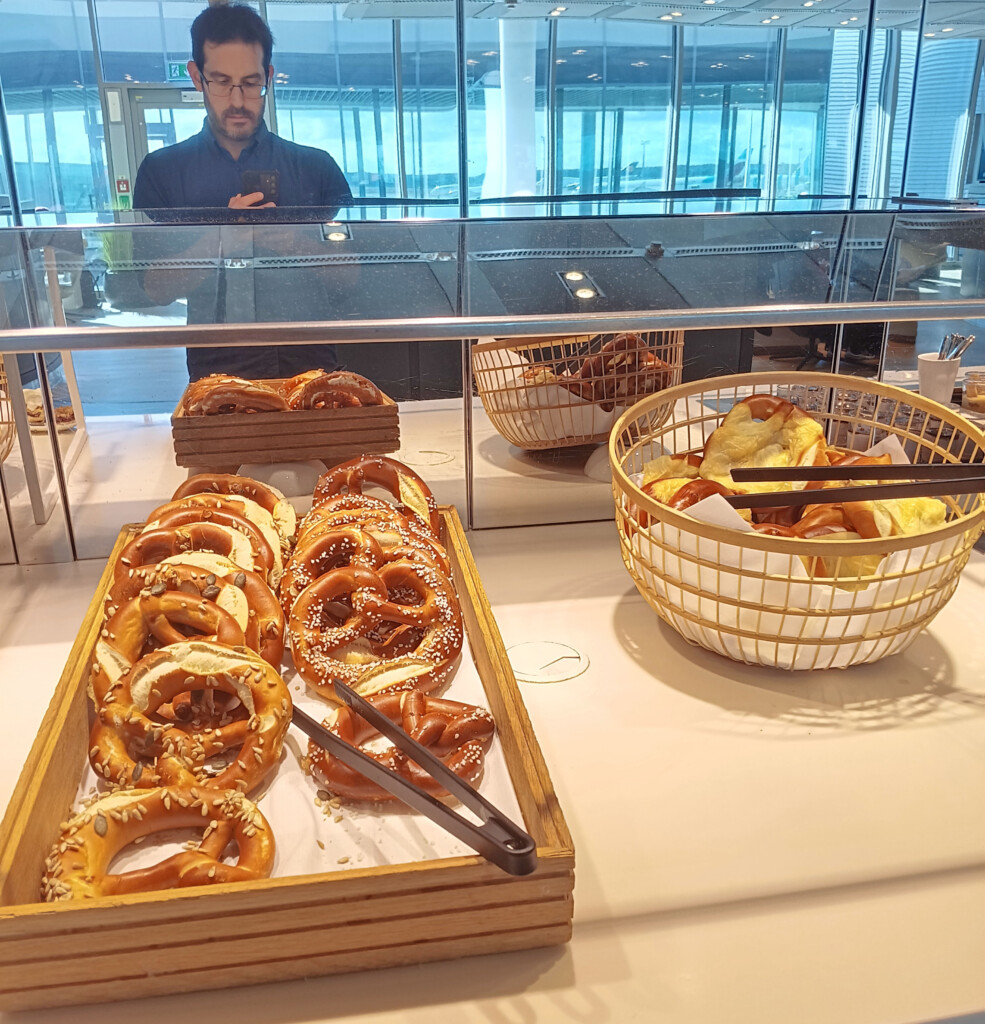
[(267, 182)]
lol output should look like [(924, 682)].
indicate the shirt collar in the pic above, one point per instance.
[(209, 139)]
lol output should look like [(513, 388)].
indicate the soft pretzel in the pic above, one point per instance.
[(221, 393), (78, 865), (130, 747), (275, 532), (242, 593), (403, 608), (158, 545), (151, 620), (336, 390), (267, 555), (231, 485), (694, 491), (456, 733), (410, 492), (762, 430), (355, 543)]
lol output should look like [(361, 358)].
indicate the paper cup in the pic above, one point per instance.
[(937, 376)]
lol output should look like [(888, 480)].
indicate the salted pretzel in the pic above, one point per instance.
[(78, 865), (219, 394), (268, 556), (410, 493), (231, 485), (338, 389), (348, 545), (456, 733), (152, 620), (158, 545), (402, 608), (131, 746), (243, 594)]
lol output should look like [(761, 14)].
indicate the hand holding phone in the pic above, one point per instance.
[(265, 182)]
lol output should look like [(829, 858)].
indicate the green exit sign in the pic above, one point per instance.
[(178, 71)]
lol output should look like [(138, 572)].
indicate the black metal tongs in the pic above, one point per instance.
[(917, 481), (498, 839)]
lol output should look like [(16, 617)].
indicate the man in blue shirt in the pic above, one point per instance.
[(231, 66)]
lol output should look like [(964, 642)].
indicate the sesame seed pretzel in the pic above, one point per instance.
[(148, 621), (410, 493), (129, 748), (231, 485), (267, 556), (455, 732), (243, 594), (157, 545), (402, 608), (78, 865)]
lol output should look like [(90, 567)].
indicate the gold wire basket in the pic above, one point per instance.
[(754, 598), (561, 392), (7, 428)]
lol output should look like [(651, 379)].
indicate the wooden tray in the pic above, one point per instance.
[(114, 948), (332, 435)]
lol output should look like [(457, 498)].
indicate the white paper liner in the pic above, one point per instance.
[(367, 835), (812, 610)]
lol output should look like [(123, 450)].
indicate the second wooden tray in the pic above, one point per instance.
[(332, 435)]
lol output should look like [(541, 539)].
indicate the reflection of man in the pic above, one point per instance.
[(231, 67)]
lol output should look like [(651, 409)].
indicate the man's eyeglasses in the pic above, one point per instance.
[(250, 91)]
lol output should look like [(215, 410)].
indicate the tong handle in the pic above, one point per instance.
[(498, 839), (867, 492), (934, 471)]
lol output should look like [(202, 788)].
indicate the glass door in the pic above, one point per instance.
[(161, 117)]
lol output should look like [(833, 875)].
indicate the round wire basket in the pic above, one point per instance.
[(7, 428), (562, 392), (785, 602)]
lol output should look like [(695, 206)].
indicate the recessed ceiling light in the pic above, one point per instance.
[(574, 275), (585, 293), (337, 236), (709, 1), (853, 19), (666, 17), (676, 14), (844, 23), (560, 60), (578, 53), (489, 53), (765, 21), (947, 30), (808, 3), (929, 35)]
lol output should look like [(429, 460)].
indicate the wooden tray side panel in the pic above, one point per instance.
[(528, 769), (293, 969), (49, 781)]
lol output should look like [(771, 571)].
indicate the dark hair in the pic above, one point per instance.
[(227, 23)]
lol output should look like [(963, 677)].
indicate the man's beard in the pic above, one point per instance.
[(221, 126)]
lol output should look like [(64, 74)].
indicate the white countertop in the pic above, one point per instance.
[(750, 845)]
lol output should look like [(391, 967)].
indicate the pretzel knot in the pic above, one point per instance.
[(354, 618), (350, 544), (78, 865), (130, 745), (410, 492), (457, 733), (151, 620)]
